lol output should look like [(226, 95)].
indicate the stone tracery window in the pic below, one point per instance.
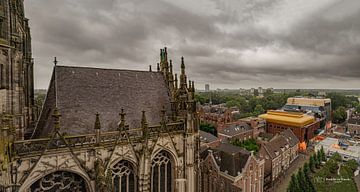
[(59, 181), (123, 176), (162, 173)]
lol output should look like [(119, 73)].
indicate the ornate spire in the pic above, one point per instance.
[(182, 75), (122, 120), (163, 60), (182, 66), (171, 67), (176, 81), (97, 122), (144, 125), (56, 117), (143, 120)]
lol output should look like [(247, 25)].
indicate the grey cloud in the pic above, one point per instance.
[(128, 34)]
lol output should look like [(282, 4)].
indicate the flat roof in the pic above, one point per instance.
[(288, 118), (307, 101)]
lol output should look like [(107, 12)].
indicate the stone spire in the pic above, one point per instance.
[(144, 125), (97, 128), (56, 117), (97, 122), (183, 84), (122, 120), (164, 66), (176, 82)]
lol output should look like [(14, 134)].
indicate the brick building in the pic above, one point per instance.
[(278, 153), (216, 114), (257, 124), (236, 130), (354, 125), (231, 169), (302, 125)]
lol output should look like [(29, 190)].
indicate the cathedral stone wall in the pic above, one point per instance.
[(16, 66), (83, 162)]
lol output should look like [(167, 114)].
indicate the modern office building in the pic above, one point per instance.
[(320, 107)]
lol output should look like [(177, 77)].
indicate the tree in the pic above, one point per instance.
[(332, 165), (319, 157), (323, 155), (339, 115), (312, 163), (306, 168), (294, 185), (232, 103), (258, 110), (357, 109), (208, 128), (301, 180), (316, 161), (309, 185), (351, 165)]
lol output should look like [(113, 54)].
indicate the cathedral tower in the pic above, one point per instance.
[(16, 67)]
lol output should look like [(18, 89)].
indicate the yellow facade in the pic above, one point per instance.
[(288, 118), (307, 101)]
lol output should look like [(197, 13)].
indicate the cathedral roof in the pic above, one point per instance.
[(81, 92)]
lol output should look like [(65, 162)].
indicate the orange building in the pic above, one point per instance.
[(303, 126)]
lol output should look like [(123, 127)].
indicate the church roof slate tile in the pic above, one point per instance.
[(81, 92)]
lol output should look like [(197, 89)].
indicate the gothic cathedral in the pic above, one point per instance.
[(99, 130)]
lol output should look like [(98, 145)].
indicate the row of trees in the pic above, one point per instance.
[(301, 181), (251, 105), (339, 104), (206, 127), (248, 105)]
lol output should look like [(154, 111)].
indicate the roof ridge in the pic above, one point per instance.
[(99, 68)]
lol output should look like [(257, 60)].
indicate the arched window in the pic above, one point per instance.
[(162, 173), (123, 176), (59, 181)]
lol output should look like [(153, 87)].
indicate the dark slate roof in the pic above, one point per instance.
[(82, 92), (230, 159), (207, 137), (290, 137), (235, 128), (284, 140)]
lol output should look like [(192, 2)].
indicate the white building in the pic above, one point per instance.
[(332, 146)]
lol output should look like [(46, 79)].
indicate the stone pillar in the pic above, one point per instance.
[(145, 171), (180, 184), (190, 173)]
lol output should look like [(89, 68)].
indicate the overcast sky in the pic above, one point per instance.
[(226, 43)]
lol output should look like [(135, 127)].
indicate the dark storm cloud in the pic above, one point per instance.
[(228, 43)]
